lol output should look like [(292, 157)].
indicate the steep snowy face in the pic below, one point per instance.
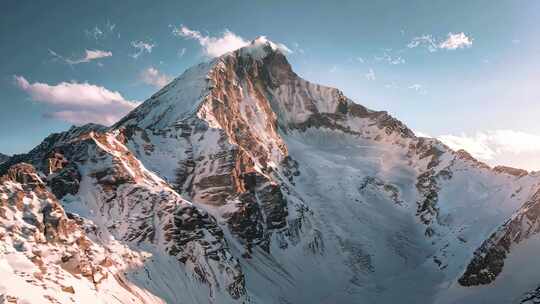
[(489, 259), (251, 95), (48, 255), (227, 94), (174, 102), (100, 182)]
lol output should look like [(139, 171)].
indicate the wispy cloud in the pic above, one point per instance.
[(389, 58), (421, 134), (418, 88), (141, 47), (426, 41), (93, 55), (89, 56), (452, 42), (227, 42), (456, 41), (94, 33), (391, 85), (298, 49), (98, 33), (154, 77), (370, 75), (78, 103), (213, 46), (181, 52), (485, 145), (510, 147)]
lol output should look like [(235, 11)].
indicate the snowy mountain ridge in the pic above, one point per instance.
[(240, 182), (3, 158)]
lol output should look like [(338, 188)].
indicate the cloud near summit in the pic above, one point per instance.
[(510, 147), (78, 103), (213, 46), (217, 46)]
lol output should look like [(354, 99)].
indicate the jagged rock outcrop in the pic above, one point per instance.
[(55, 247), (531, 297), (512, 171), (488, 260)]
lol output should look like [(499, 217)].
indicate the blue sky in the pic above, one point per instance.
[(464, 71)]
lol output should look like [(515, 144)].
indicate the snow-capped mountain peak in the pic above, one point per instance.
[(241, 182), (261, 47)]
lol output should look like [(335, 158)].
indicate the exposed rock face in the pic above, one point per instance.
[(512, 171), (531, 297), (380, 186), (35, 228), (136, 205), (237, 120), (488, 260), (155, 214)]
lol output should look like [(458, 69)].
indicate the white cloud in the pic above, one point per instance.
[(456, 41), (426, 41), (95, 54), (298, 49), (386, 56), (110, 26), (228, 42), (89, 56), (97, 33), (370, 75), (78, 103), (452, 42), (213, 46), (477, 145), (283, 48), (421, 134), (509, 147), (360, 59), (391, 85), (181, 52), (141, 48), (418, 88), (154, 77)]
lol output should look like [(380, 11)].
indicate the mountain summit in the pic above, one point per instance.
[(241, 182)]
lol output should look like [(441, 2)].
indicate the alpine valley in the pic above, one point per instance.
[(240, 182)]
